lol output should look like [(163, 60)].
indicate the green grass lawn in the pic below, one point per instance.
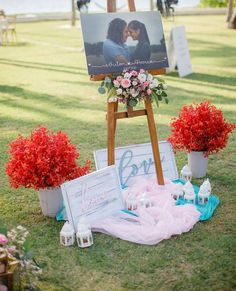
[(43, 80)]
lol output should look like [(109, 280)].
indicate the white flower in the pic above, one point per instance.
[(134, 93), (127, 75), (154, 83), (119, 91), (150, 77), (21, 228), (112, 99), (151, 86), (142, 77), (134, 83), (116, 83)]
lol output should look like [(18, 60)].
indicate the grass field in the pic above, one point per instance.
[(43, 80)]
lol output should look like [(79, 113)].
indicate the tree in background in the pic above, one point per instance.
[(231, 13), (213, 3)]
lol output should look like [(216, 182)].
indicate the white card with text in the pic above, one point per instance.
[(95, 196)]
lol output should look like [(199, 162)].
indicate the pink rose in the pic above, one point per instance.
[(145, 84), (134, 73), (3, 239), (149, 91), (125, 83), (119, 78), (142, 71)]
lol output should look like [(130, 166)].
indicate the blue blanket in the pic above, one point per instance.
[(206, 210)]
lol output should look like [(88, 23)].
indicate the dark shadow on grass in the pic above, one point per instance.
[(44, 64), (37, 67), (207, 78), (16, 44)]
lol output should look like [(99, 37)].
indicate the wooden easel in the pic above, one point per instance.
[(113, 115)]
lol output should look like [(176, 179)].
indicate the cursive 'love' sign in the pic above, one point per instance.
[(137, 160)]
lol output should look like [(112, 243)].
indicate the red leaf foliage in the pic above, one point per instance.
[(200, 127), (43, 160)]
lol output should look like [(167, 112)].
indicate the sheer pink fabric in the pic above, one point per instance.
[(153, 224)]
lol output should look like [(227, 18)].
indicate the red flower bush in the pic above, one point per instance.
[(200, 127), (43, 160)]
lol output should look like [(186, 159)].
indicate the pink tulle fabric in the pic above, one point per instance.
[(152, 224)]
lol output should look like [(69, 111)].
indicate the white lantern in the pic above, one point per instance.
[(84, 235), (204, 192), (178, 191), (67, 235), (186, 173), (131, 202), (145, 200), (189, 194)]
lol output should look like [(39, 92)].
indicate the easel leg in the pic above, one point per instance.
[(154, 142), (111, 124)]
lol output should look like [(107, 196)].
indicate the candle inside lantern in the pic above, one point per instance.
[(204, 192), (145, 200), (178, 191), (189, 194), (131, 202), (67, 235), (186, 173), (84, 235)]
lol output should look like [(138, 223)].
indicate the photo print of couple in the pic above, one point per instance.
[(123, 41)]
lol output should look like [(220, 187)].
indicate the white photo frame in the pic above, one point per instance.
[(95, 196)]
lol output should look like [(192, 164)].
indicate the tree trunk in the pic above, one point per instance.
[(73, 16), (232, 22), (151, 5), (111, 5), (230, 9)]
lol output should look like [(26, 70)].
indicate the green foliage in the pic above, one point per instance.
[(213, 3)]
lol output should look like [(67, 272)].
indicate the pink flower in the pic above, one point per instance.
[(134, 73), (145, 84), (119, 78), (149, 91), (3, 239), (142, 71), (125, 83)]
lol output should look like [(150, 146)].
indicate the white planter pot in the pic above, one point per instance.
[(51, 201), (197, 164)]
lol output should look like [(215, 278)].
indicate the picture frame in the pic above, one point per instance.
[(95, 196), (115, 42)]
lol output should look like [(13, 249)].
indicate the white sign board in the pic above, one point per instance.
[(137, 160), (96, 196), (178, 53)]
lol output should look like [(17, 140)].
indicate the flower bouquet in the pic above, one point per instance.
[(201, 130), (44, 161), (14, 251), (132, 87)]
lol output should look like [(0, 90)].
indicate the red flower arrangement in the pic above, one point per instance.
[(43, 160), (200, 127)]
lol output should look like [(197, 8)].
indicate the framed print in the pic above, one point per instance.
[(123, 41), (95, 196)]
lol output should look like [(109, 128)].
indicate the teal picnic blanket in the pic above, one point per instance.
[(205, 210)]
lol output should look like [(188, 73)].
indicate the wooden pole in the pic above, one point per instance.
[(154, 142)]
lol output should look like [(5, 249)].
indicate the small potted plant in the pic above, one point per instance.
[(201, 130), (44, 161)]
